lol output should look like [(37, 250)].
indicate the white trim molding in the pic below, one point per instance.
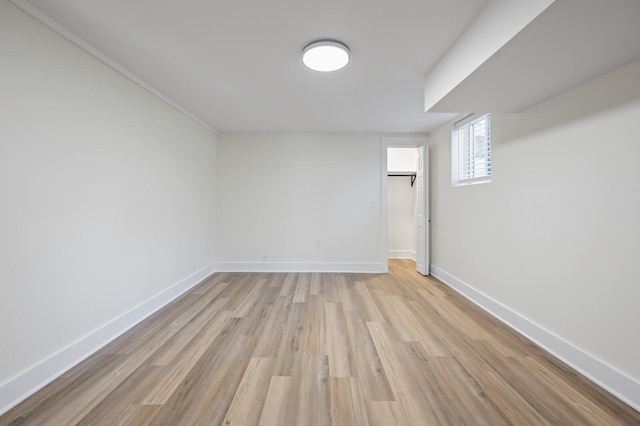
[(618, 384), (404, 141), (20, 387), (402, 254), (367, 268)]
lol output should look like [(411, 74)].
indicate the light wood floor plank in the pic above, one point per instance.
[(87, 397), (313, 401), (109, 410), (205, 395), (244, 409), (331, 293), (289, 355), (247, 302), (590, 411), (347, 406), (273, 328), (315, 327), (137, 415), (278, 408), (401, 376), (338, 345), (303, 285), (321, 349), (506, 399), (289, 285), (256, 319), (454, 387), (174, 374), (366, 306), (174, 347), (369, 368), (385, 413), (316, 287)]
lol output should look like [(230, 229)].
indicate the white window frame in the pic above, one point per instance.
[(472, 175)]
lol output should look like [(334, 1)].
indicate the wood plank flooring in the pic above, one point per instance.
[(321, 349)]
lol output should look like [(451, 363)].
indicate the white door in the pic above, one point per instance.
[(422, 210)]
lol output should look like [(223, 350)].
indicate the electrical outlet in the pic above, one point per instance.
[(264, 257), (318, 242)]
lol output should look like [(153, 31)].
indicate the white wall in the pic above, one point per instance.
[(108, 200), (401, 159), (277, 193), (401, 202), (401, 218), (554, 238)]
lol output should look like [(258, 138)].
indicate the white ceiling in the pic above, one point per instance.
[(570, 43), (235, 64)]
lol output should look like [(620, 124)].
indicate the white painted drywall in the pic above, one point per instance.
[(401, 199), (278, 193), (107, 193), (402, 159), (555, 236), (401, 218), (497, 23)]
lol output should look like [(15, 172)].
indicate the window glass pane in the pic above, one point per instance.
[(472, 156)]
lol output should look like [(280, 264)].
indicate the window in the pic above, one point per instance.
[(471, 150)]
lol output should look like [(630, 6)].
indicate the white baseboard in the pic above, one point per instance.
[(615, 382), (402, 254), (372, 268), (20, 387)]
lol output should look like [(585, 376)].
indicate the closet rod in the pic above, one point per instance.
[(398, 174)]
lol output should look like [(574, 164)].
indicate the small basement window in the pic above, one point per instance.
[(471, 150)]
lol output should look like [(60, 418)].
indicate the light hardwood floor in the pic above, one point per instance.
[(307, 349)]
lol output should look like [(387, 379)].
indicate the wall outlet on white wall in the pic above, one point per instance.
[(318, 242), (264, 257)]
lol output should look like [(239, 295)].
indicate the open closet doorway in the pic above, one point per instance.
[(405, 209)]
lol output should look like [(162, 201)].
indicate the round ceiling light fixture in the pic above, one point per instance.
[(326, 55)]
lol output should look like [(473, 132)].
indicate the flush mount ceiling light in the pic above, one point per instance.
[(326, 55)]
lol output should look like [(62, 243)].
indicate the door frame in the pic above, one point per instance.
[(401, 142)]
